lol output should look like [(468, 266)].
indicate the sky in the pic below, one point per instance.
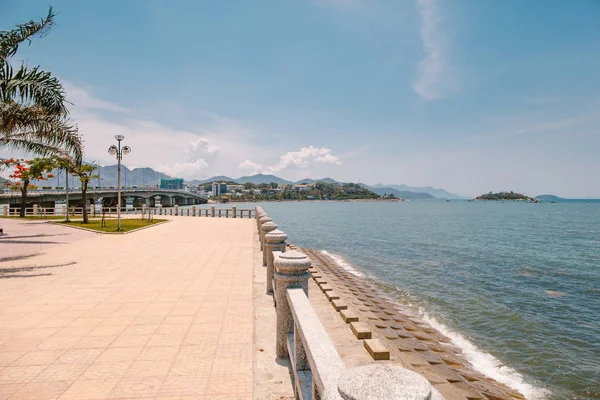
[(467, 95)]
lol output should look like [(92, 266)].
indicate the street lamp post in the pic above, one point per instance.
[(119, 152)]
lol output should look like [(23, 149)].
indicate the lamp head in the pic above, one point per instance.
[(126, 150), (112, 150), (119, 137)]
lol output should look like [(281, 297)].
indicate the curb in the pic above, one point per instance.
[(108, 233)]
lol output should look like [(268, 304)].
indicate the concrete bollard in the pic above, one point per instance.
[(274, 241), (382, 381), (5, 210), (272, 226), (234, 211), (291, 271), (212, 211)]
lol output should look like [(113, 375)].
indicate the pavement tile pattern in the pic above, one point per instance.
[(412, 342), (162, 313)]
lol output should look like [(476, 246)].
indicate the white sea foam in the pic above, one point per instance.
[(339, 260), (487, 363)]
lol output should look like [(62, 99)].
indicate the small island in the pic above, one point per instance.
[(504, 196)]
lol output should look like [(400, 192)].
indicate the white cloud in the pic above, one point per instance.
[(250, 167), (188, 170), (431, 68), (304, 158), (200, 147)]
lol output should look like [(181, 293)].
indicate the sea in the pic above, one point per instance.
[(515, 285)]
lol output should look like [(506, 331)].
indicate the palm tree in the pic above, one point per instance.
[(33, 111)]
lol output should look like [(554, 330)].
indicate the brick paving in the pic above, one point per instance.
[(163, 313)]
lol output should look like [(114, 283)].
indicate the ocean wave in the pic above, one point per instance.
[(339, 260), (487, 363)]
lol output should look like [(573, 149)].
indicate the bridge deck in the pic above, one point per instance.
[(161, 313)]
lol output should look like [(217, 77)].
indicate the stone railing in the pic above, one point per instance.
[(193, 211), (318, 370)]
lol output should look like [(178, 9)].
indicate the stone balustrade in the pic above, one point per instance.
[(317, 368), (194, 211)]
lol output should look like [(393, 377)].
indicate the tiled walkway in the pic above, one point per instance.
[(163, 313)]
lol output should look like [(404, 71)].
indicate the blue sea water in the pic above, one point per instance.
[(515, 285)]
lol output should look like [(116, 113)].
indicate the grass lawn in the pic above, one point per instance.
[(111, 224)]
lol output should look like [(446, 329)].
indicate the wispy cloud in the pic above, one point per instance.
[(431, 68)]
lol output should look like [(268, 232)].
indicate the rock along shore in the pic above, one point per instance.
[(412, 343)]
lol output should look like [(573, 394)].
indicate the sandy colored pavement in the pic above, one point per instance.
[(162, 313), (25, 238)]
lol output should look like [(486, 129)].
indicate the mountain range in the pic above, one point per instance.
[(107, 177), (149, 177)]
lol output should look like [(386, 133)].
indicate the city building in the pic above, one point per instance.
[(303, 187), (233, 188), (218, 189), (176, 183)]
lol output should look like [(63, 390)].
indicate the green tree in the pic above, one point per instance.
[(33, 111), (85, 173), (27, 171)]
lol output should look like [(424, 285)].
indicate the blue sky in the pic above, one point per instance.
[(468, 95)]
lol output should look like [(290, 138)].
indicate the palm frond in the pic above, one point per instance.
[(21, 123), (33, 86), (10, 40), (29, 147)]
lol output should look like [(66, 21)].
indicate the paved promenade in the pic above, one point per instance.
[(163, 313)]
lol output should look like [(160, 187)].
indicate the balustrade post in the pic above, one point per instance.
[(6, 210), (274, 241), (384, 381), (212, 211), (263, 221), (193, 211), (176, 209), (234, 211), (64, 209), (259, 214), (35, 209), (170, 211), (266, 228), (291, 271)]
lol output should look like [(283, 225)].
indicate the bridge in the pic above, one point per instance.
[(149, 196)]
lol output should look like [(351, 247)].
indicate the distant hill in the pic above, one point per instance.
[(108, 177), (439, 193), (548, 197), (260, 178), (405, 194), (311, 181), (218, 178)]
